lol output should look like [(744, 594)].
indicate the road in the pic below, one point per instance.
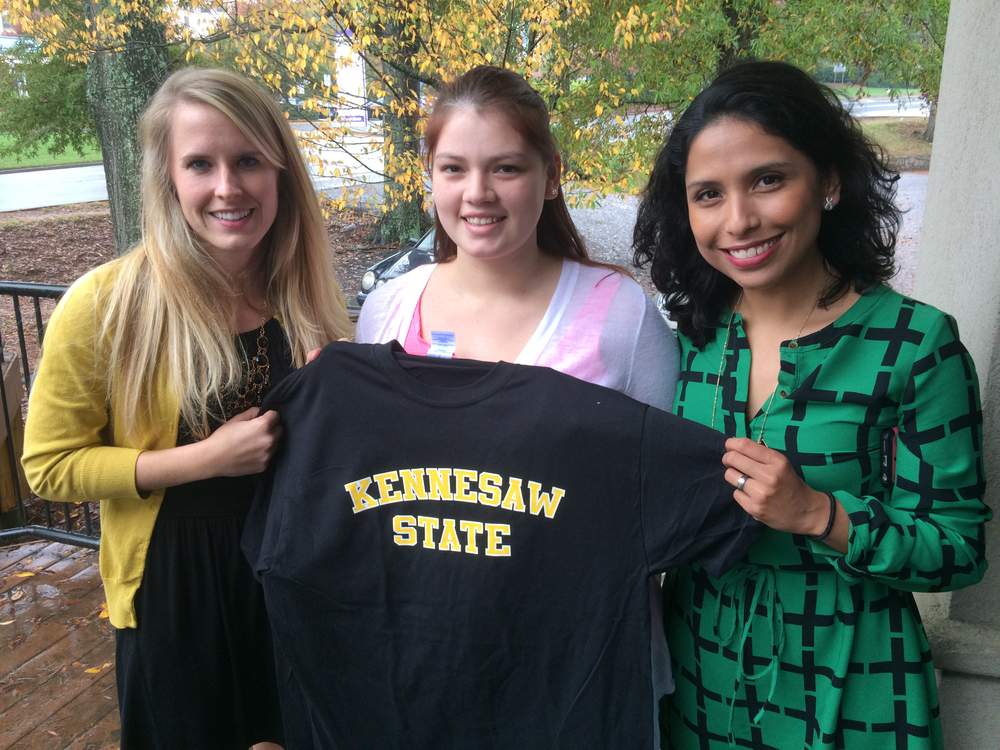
[(883, 106)]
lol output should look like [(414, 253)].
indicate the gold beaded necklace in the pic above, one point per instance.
[(722, 365), (257, 374)]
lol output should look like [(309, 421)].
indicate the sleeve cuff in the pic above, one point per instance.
[(844, 562), (110, 474)]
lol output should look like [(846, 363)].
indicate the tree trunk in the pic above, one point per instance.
[(931, 118), (119, 84), (406, 219), (744, 27)]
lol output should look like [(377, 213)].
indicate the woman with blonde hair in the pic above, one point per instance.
[(147, 397)]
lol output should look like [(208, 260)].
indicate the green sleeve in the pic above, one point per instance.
[(927, 535)]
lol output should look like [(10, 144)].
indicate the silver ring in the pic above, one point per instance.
[(741, 483)]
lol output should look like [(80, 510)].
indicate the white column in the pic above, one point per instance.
[(959, 271)]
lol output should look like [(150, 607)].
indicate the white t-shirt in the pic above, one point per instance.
[(599, 327)]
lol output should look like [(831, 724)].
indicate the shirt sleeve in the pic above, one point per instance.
[(928, 532), (688, 511), (388, 310), (68, 455), (371, 318), (654, 361)]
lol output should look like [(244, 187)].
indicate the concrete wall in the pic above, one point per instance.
[(959, 271)]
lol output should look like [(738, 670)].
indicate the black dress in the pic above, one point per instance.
[(198, 671)]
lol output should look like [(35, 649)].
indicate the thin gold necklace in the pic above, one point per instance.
[(722, 364)]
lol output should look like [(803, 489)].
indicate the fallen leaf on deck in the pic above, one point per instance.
[(98, 670), (16, 594), (7, 622), (103, 614), (24, 574)]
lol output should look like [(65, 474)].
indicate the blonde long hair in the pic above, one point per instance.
[(172, 305)]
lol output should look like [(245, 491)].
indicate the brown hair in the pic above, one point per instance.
[(486, 87)]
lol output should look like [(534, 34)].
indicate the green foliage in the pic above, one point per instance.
[(43, 104)]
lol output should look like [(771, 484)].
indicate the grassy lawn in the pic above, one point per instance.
[(44, 159), (899, 136), (853, 92)]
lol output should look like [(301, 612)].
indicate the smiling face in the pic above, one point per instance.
[(754, 205), (227, 190), (489, 185)]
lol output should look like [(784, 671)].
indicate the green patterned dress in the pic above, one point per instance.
[(804, 647)]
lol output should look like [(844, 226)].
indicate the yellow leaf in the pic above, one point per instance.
[(24, 574), (98, 670)]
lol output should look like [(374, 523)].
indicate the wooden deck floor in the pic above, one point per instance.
[(57, 677)]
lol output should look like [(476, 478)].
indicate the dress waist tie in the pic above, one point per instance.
[(757, 584)]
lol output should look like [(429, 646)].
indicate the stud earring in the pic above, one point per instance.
[(828, 204)]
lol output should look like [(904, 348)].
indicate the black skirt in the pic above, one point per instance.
[(198, 672)]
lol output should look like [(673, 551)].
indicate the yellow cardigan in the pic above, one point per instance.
[(75, 449)]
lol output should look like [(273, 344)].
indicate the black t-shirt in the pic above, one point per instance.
[(455, 553)]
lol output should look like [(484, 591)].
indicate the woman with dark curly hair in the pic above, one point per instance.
[(853, 415)]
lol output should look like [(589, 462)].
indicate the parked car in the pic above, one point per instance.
[(406, 258)]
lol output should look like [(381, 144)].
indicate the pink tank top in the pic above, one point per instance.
[(415, 343)]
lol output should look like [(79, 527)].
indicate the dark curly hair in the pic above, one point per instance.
[(857, 239)]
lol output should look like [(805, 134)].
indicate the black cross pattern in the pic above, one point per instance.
[(891, 363)]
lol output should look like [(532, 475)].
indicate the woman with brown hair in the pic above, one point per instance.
[(513, 280)]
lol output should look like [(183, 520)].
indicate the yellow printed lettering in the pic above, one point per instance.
[(440, 484), (514, 500), (405, 535), (472, 531), (542, 501), (386, 492), (489, 489), (449, 536), (414, 487), (360, 498), (428, 524), (494, 540), (462, 491)]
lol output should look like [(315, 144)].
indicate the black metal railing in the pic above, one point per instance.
[(23, 516), (24, 309)]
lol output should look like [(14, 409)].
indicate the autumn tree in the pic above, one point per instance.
[(121, 46), (573, 51), (613, 72)]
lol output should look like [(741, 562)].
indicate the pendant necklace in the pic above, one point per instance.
[(722, 365), (257, 374)]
